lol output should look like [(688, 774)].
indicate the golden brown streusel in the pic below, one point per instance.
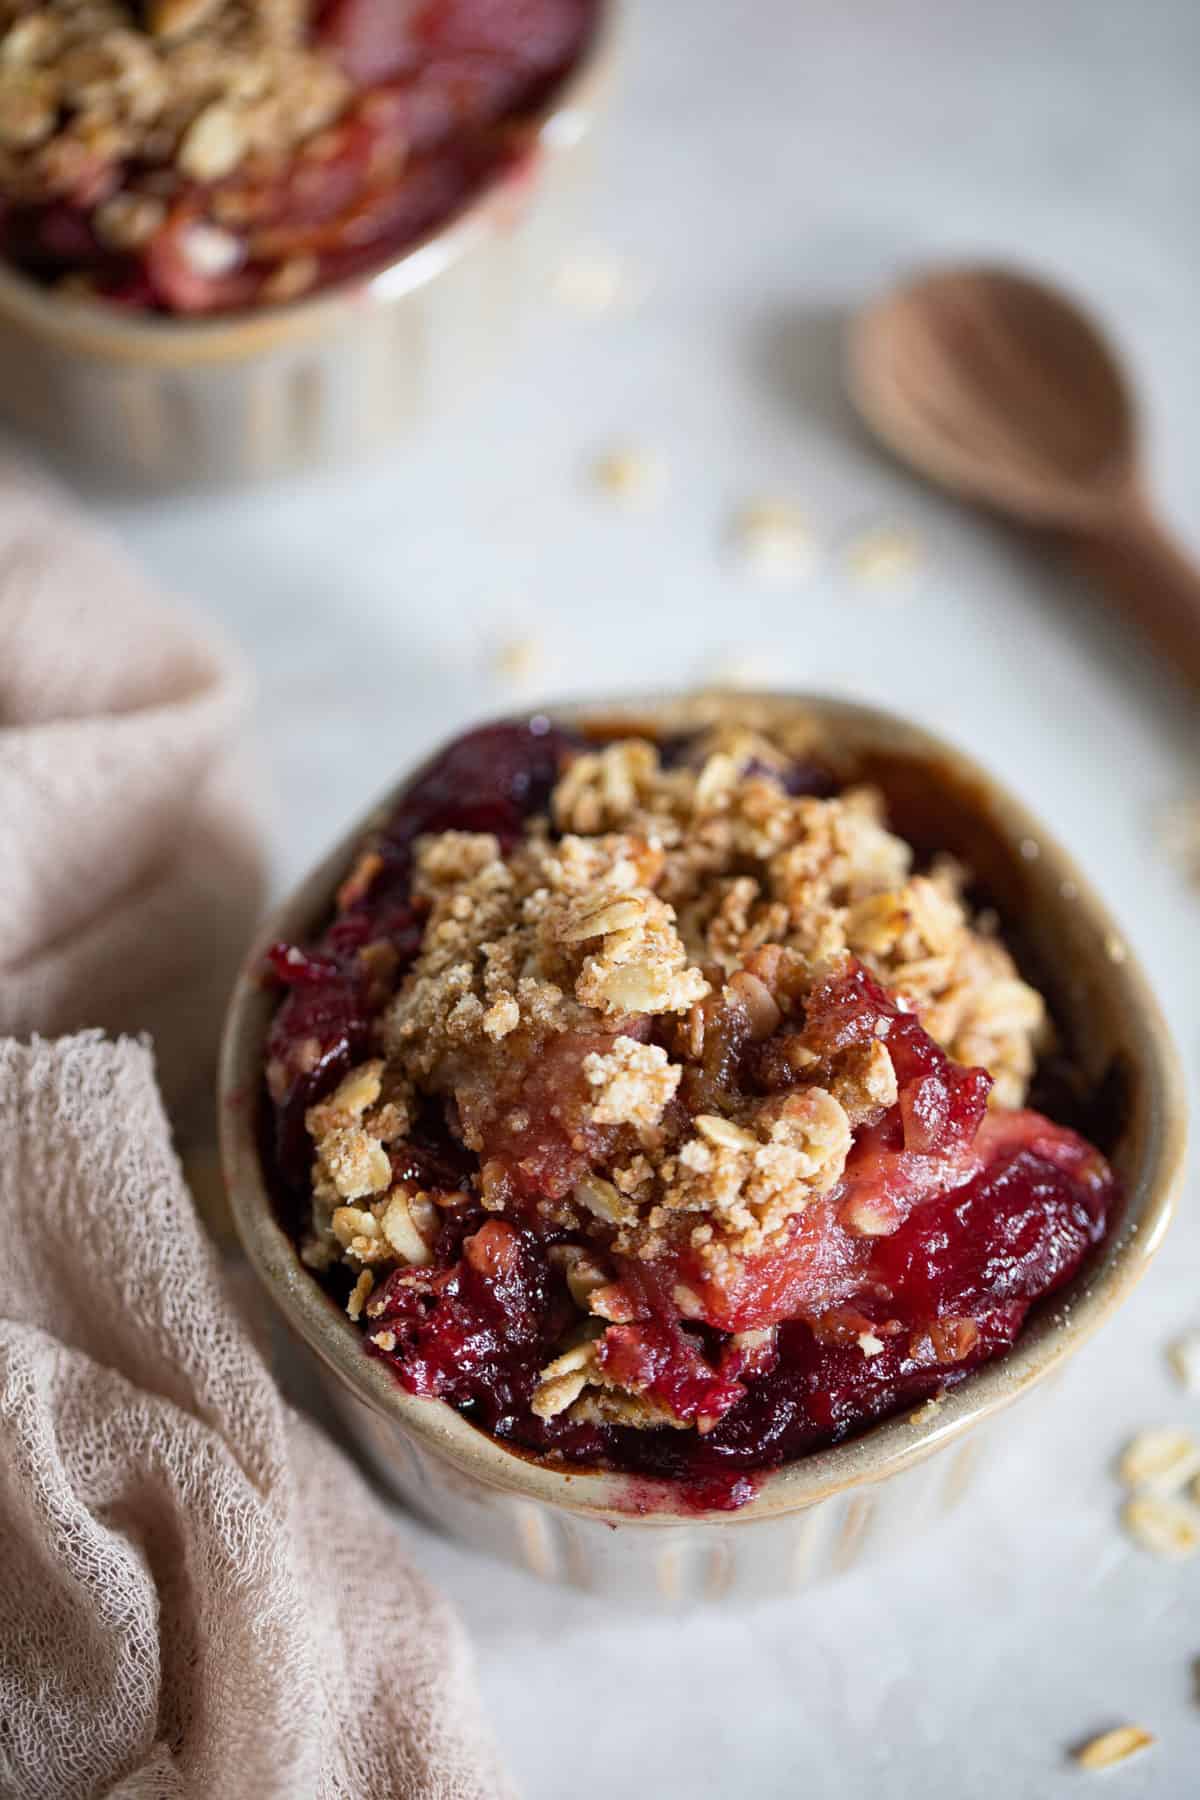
[(548, 939), (827, 878), (632, 1083), (187, 88), (747, 1180), (360, 1294)]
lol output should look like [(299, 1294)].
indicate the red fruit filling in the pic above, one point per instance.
[(919, 1262)]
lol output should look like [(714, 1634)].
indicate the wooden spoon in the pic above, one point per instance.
[(1002, 390)]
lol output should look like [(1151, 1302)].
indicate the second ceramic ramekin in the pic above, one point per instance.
[(145, 401)]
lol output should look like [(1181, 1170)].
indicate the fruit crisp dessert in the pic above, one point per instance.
[(653, 1105), (198, 156)]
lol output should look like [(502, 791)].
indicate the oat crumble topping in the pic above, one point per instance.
[(190, 87), (633, 1083), (686, 900)]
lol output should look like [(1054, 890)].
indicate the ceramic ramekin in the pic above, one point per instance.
[(142, 401), (818, 1515)]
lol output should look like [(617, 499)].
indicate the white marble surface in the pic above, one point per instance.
[(767, 165)]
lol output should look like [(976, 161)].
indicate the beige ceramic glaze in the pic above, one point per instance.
[(142, 400), (822, 1513)]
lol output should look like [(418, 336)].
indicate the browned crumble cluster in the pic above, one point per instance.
[(674, 899), (188, 88)]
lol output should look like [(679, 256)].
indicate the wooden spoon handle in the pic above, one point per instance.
[(1155, 581)]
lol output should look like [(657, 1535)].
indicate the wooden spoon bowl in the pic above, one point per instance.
[(1002, 390)]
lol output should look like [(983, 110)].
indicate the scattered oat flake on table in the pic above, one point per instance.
[(1178, 831), (1169, 1528), (1115, 1746), (633, 474), (595, 282), (517, 658), (885, 556), (774, 540), (1184, 1357), (1160, 1460)]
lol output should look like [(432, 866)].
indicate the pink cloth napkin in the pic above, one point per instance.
[(198, 1595), (130, 872)]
